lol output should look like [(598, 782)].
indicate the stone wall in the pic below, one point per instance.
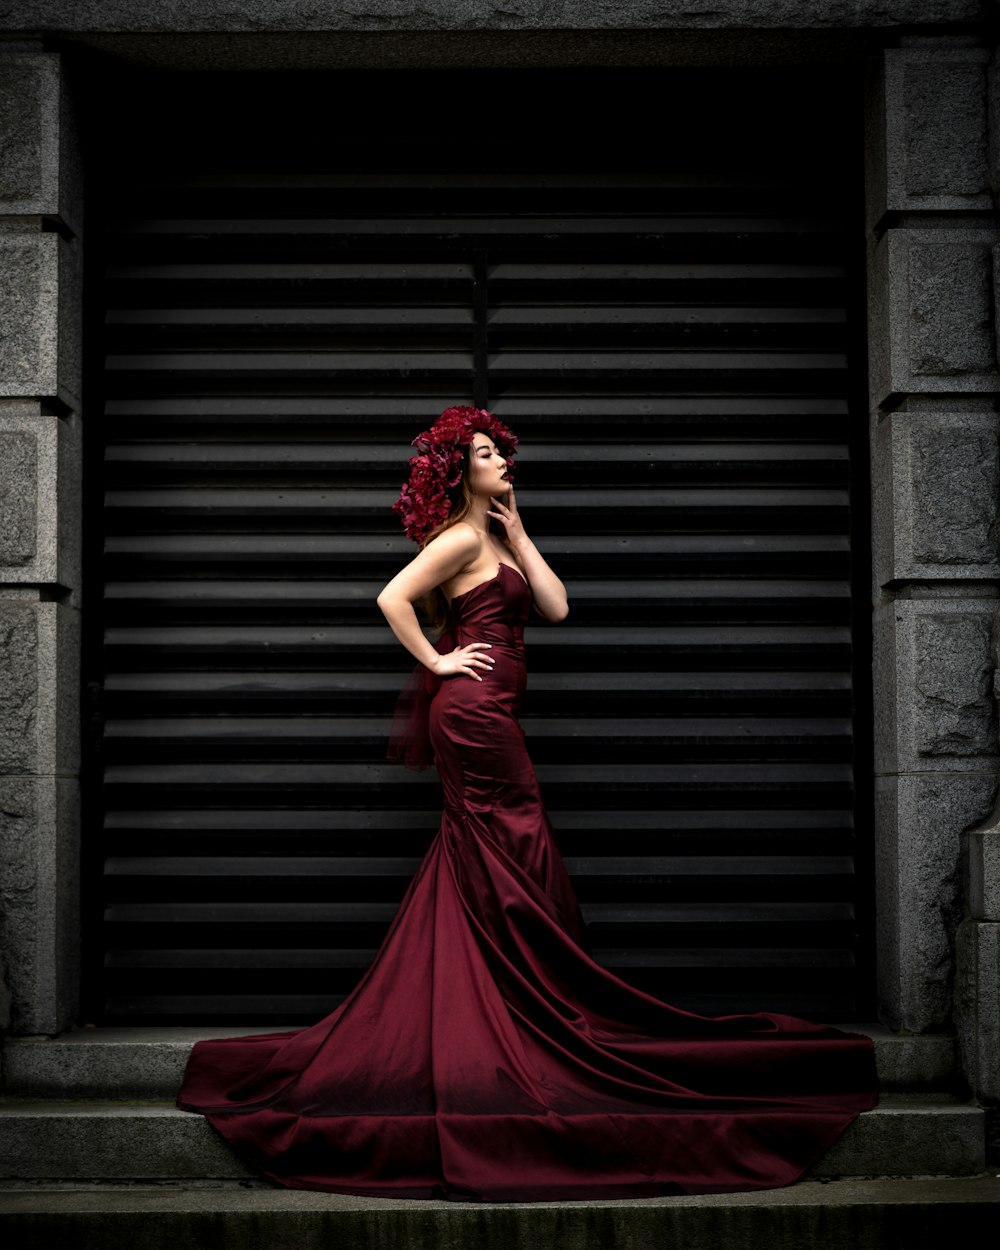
[(40, 299), (934, 381)]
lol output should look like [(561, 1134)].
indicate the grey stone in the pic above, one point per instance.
[(905, 1135), (978, 1006), (933, 666), (39, 157), (935, 497), (931, 313), (39, 901), (908, 1063), (18, 687), (40, 494), (106, 1062), (951, 306), (40, 316), (954, 713), (39, 679), (909, 1135), (869, 1214), (259, 16), (933, 106), (149, 1062), (18, 497), (984, 871), (919, 826), (22, 134), (956, 486)]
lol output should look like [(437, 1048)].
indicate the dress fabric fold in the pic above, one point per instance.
[(485, 1055)]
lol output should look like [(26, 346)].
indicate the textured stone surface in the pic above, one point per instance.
[(39, 165), (28, 313), (18, 687), (39, 901), (954, 712), (380, 15), (984, 871), (902, 1136), (870, 1214), (933, 668), (40, 315), (18, 496), (978, 1006), (931, 323), (993, 124), (40, 494), (951, 294), (919, 826), (39, 678), (149, 1062), (929, 113), (955, 482), (935, 496)]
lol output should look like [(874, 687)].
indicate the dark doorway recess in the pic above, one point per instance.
[(652, 276)]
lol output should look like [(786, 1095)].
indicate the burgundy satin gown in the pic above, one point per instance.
[(484, 1055)]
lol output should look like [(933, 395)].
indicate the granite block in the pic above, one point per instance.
[(41, 316), (978, 1006), (934, 662), (40, 172), (39, 902), (39, 497), (928, 112), (920, 824), (935, 497), (39, 694), (931, 313)]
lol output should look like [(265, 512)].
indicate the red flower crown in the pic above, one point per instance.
[(429, 493)]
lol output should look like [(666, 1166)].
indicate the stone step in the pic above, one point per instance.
[(148, 1063), (837, 1215), (49, 1139)]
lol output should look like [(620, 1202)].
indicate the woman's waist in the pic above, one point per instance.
[(502, 641)]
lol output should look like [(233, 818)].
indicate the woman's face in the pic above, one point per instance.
[(487, 467)]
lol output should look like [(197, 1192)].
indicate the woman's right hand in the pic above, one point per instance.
[(464, 660)]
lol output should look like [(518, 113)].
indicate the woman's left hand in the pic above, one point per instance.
[(508, 515)]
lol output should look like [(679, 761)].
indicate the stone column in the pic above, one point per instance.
[(40, 297), (934, 383), (978, 991)]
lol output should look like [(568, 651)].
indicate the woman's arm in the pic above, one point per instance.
[(439, 561), (548, 590)]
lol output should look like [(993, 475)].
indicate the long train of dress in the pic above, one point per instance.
[(484, 1054)]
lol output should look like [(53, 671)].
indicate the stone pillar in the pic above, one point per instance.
[(40, 298), (933, 384), (978, 990)]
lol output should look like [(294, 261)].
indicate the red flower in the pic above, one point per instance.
[(427, 497)]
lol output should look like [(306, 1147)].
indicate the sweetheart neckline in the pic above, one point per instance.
[(486, 581)]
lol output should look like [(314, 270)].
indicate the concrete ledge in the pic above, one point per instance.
[(149, 1063), (860, 1215), (49, 1140)]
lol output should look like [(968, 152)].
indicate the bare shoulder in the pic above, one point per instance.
[(458, 540)]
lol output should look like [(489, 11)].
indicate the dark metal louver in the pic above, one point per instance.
[(673, 350)]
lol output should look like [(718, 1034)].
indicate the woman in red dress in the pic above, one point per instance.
[(484, 1054)]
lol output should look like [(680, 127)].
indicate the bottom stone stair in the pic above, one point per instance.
[(837, 1215), (94, 1153)]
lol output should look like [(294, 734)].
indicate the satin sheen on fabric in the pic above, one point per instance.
[(484, 1054)]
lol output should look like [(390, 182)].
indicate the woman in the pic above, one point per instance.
[(484, 1054)]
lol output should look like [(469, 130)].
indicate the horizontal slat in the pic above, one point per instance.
[(708, 868), (294, 959)]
